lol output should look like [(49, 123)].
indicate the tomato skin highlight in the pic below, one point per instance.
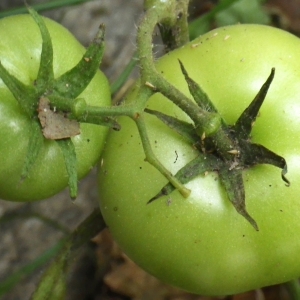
[(201, 244), (20, 50)]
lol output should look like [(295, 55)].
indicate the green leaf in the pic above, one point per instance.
[(243, 11), (53, 284), (73, 82), (11, 281), (49, 5), (123, 77), (203, 24), (68, 149)]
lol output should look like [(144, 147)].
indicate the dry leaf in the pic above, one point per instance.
[(55, 125), (126, 278)]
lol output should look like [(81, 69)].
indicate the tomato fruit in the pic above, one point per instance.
[(20, 52), (200, 243)]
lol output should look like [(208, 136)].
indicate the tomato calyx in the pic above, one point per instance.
[(49, 102), (226, 149)]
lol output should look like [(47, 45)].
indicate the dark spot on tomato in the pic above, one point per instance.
[(115, 208), (88, 140)]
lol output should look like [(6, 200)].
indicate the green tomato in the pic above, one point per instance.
[(201, 244), (20, 50)]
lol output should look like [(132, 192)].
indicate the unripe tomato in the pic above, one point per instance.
[(20, 51), (201, 244)]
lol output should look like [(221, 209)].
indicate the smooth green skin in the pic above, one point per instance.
[(20, 48), (201, 244)]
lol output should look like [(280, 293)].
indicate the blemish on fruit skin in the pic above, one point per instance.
[(226, 37), (136, 116), (195, 45), (169, 201)]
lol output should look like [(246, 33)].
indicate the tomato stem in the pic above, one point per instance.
[(150, 157)]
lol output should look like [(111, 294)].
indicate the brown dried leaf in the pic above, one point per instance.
[(126, 278), (55, 125), (130, 280)]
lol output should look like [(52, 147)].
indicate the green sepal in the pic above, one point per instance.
[(197, 166), (35, 144), (73, 82), (232, 181), (68, 149), (183, 128), (45, 74), (258, 154), (24, 94), (213, 120), (196, 91), (244, 124)]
